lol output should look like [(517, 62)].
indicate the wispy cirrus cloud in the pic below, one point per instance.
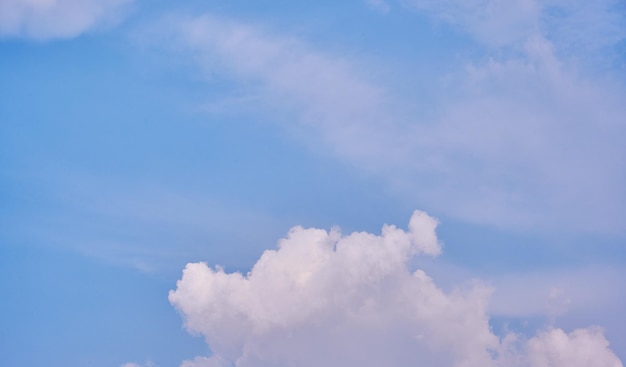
[(495, 22), (588, 26), (525, 136), (534, 145), (141, 224), (47, 19)]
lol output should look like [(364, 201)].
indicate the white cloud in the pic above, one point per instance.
[(326, 299), (533, 145), (214, 361), (526, 137), (131, 364), (529, 137), (325, 91), (496, 22), (557, 292), (45, 19), (580, 348), (586, 25)]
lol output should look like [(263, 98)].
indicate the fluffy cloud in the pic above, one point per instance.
[(580, 348), (45, 19), (326, 299)]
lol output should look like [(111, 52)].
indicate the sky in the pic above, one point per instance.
[(278, 183)]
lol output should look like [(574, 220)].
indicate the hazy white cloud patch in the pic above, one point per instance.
[(326, 94), (496, 22), (323, 298), (557, 292), (580, 348), (528, 136), (586, 25), (533, 145), (379, 5), (131, 364), (215, 361), (46, 19)]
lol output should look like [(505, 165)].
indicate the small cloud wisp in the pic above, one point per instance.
[(48, 19)]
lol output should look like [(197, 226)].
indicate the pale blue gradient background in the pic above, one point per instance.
[(113, 175)]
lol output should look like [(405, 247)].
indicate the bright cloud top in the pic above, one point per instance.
[(45, 19), (324, 299)]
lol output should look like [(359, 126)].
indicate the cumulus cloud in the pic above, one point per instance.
[(527, 135), (323, 298), (45, 19), (580, 348)]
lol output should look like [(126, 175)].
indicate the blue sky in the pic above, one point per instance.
[(139, 137)]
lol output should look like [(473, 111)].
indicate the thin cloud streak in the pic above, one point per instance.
[(151, 227), (525, 137), (574, 26)]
